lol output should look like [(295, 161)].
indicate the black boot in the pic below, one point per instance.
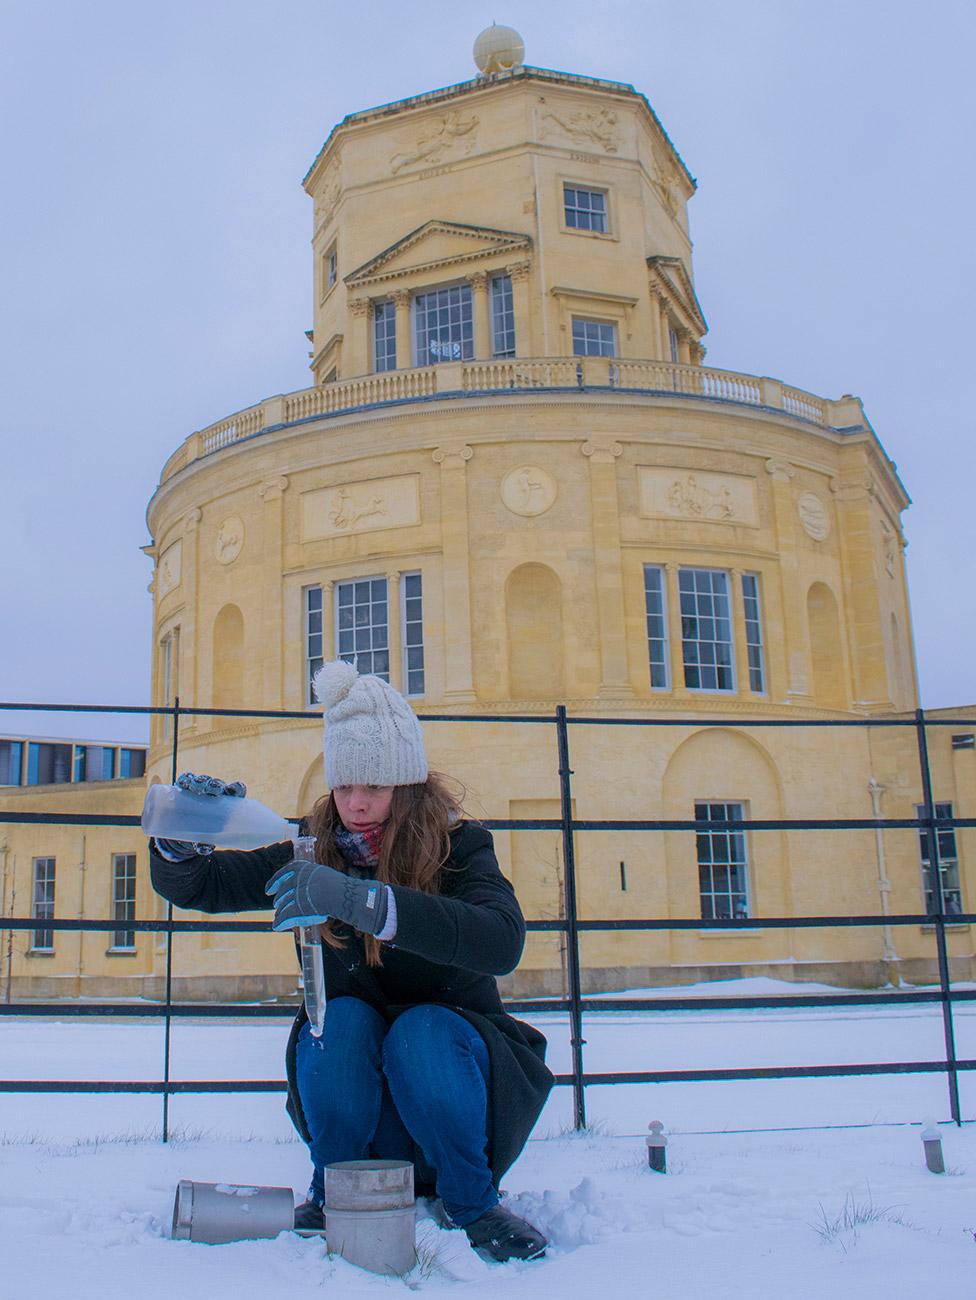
[(309, 1217), (503, 1235)]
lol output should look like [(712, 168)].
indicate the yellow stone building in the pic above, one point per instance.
[(513, 483)]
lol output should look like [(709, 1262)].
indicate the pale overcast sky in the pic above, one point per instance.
[(157, 271)]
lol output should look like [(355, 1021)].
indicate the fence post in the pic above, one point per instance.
[(572, 956), (168, 1005), (935, 872)]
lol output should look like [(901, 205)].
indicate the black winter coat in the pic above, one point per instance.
[(447, 950)]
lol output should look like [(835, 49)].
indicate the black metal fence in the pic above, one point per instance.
[(574, 1004)]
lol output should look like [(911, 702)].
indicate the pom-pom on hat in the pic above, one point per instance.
[(372, 736)]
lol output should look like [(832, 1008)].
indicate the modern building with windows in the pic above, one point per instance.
[(514, 483), (45, 760)]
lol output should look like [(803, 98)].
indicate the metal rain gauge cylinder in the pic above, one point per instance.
[(370, 1217)]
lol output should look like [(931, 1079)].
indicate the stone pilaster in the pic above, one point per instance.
[(675, 647), (795, 649), (189, 619), (404, 348), (862, 611), (519, 273), (737, 614), (330, 649), (478, 281), (614, 676), (361, 358), (272, 493), (458, 670), (394, 632)]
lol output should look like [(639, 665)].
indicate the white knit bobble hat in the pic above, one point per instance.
[(372, 736)]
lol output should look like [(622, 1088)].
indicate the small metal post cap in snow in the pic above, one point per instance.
[(932, 1142), (656, 1143)]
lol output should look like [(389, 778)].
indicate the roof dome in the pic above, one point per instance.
[(498, 49)]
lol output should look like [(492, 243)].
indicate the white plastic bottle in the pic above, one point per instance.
[(171, 813), (313, 968)]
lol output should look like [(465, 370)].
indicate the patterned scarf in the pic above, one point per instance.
[(360, 850)]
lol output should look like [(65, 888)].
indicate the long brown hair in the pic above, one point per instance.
[(415, 846)]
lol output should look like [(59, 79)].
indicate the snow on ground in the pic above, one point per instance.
[(86, 1187)]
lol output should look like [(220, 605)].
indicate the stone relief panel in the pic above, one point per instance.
[(528, 490), (667, 184), (889, 546), (330, 192), (361, 507), (451, 134), (585, 127), (230, 540), (698, 496), (813, 516), (169, 569)]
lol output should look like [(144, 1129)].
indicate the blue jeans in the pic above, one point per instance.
[(370, 1091)]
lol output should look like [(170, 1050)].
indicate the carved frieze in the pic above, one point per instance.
[(169, 569), (330, 194), (528, 490), (452, 133), (813, 516), (362, 507), (583, 126), (667, 184), (889, 546), (230, 540), (698, 496)]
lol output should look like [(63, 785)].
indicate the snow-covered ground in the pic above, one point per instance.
[(783, 1203)]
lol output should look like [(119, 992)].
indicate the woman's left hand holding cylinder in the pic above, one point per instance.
[(307, 893)]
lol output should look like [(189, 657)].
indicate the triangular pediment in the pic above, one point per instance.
[(435, 245), (674, 280)]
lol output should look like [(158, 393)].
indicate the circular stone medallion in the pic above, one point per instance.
[(230, 540), (528, 490), (813, 516)]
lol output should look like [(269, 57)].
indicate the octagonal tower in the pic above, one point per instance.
[(512, 484)]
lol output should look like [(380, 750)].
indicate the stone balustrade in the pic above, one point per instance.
[(513, 375)]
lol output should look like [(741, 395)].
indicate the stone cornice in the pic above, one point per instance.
[(481, 86), (695, 709), (593, 295)]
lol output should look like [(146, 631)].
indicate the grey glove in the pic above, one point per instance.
[(179, 850), (308, 893)]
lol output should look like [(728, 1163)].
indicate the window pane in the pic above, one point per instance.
[(657, 645), (754, 642), (42, 902), (11, 760), (313, 638), (585, 209), (48, 764), (411, 589), (722, 864), (502, 317), (706, 629), (444, 325), (594, 338), (123, 897), (361, 605), (948, 864), (132, 763)]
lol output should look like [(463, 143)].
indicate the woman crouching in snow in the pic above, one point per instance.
[(417, 1060)]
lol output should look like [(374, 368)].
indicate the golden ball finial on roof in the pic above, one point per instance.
[(498, 49)]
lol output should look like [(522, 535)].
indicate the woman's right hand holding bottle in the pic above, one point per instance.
[(180, 850)]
